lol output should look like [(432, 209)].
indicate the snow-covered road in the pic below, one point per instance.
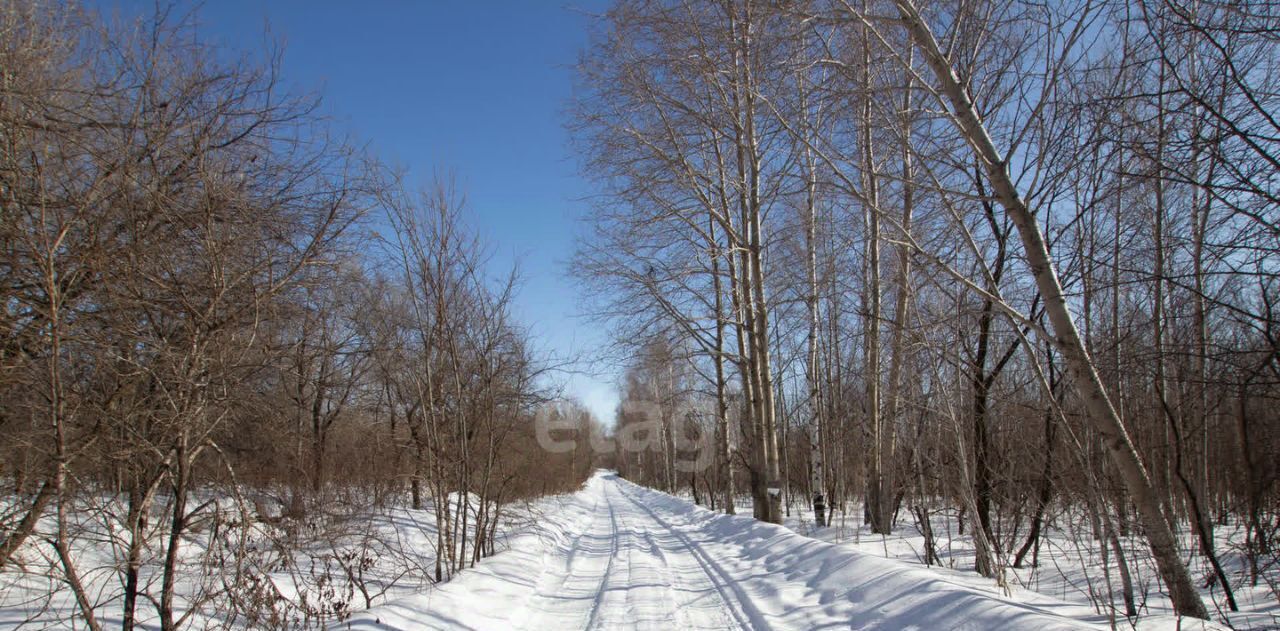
[(619, 556), (630, 568)]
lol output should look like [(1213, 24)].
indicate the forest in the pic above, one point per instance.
[(1007, 266), (1012, 261), (223, 321)]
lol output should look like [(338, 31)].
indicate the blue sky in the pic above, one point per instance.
[(475, 87)]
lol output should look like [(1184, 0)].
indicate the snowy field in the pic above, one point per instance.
[(613, 556), (1071, 568), (312, 572)]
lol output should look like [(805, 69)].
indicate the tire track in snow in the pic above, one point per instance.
[(548, 600), (744, 615), (614, 547), (633, 582), (638, 593)]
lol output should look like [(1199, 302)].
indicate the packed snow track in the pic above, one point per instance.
[(620, 556)]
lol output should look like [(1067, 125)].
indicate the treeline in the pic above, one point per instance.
[(215, 309), (1005, 258)]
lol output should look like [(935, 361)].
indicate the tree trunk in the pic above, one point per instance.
[(177, 526), (982, 445), (27, 525), (877, 495)]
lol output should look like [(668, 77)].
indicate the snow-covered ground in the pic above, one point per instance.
[(285, 574), (620, 556), (1071, 567)]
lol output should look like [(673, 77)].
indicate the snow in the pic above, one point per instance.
[(390, 551), (620, 556), (1072, 568)]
